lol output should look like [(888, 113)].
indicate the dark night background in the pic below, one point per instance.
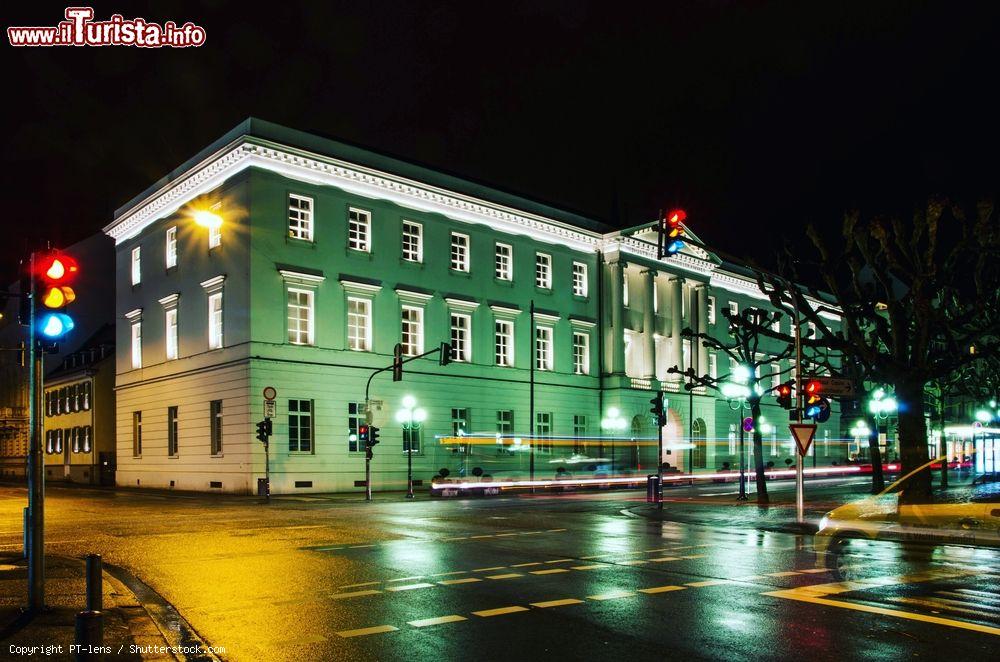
[(748, 114)]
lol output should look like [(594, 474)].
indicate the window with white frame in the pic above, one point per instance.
[(359, 224), (775, 374), (412, 330), (579, 433), (581, 285), (359, 324), (734, 308), (504, 342), (170, 250), (170, 322), (713, 368), (214, 236), (136, 344), (460, 252), (625, 295), (172, 431), (88, 433), (461, 341), (505, 422), (215, 320), (136, 265), (301, 316), (300, 217), (543, 431), (460, 421), (137, 434), (732, 366), (411, 439), (413, 242), (581, 353), (355, 417), (732, 439), (711, 310), (300, 426), (543, 271), (86, 396), (215, 421), (543, 348), (504, 262), (812, 329)]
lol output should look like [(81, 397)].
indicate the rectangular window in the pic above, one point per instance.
[(215, 420), (300, 426), (215, 320), (581, 353), (137, 434), (504, 342), (88, 433), (775, 375), (86, 396), (732, 366), (301, 317), (171, 248), (543, 431), (300, 217), (355, 417), (460, 426), (136, 266), (711, 310), (459, 252), (75, 437), (359, 324), (580, 284), (461, 341), (505, 422), (543, 271), (579, 432), (812, 330), (172, 429), (412, 330), (656, 295), (504, 262), (136, 345), (170, 319), (625, 295), (214, 236), (734, 308), (359, 230), (543, 348), (776, 325), (74, 398), (713, 368), (411, 439), (413, 242)]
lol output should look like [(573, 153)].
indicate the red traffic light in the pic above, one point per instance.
[(784, 391), (675, 217), (813, 387), (57, 269)]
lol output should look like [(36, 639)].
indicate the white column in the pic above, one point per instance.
[(676, 324), (648, 325)]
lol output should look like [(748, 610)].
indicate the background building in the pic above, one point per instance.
[(328, 255)]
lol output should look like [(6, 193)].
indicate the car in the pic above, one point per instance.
[(966, 514)]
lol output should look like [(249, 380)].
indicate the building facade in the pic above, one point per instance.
[(327, 256)]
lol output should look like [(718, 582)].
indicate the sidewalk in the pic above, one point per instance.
[(126, 623)]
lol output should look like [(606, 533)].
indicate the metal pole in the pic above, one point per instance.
[(743, 454), (95, 594), (36, 469), (659, 462), (799, 482), (267, 472), (531, 395), (409, 461), (690, 407), (368, 475)]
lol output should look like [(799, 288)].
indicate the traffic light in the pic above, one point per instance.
[(262, 430), (372, 436), (785, 396), (657, 409), (53, 274), (444, 355), (817, 407), (671, 232), (397, 362), (363, 435), (268, 427)]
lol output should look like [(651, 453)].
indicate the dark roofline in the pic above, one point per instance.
[(269, 131)]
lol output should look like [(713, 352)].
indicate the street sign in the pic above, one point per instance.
[(269, 409), (833, 387), (270, 393), (803, 434)]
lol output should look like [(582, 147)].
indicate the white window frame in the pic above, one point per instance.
[(581, 284), (414, 327), (170, 249), (543, 350), (656, 296), (415, 251), (543, 271), (713, 365), (461, 337), (170, 331), (215, 328), (355, 342), (711, 310), (296, 334), (625, 292), (460, 248), (503, 342), (776, 325), (214, 236), (503, 262), (136, 335), (581, 353), (359, 230), (734, 308), (300, 217), (136, 265)]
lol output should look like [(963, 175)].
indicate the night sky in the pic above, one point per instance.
[(755, 117)]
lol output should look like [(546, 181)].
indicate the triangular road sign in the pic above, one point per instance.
[(803, 433)]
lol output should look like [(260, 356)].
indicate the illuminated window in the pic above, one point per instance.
[(504, 342), (712, 365), (214, 236), (355, 417), (86, 395), (215, 320), (300, 217), (88, 433), (359, 230), (625, 294), (137, 434), (543, 348), (413, 242), (580, 284), (300, 317), (581, 353), (543, 271), (412, 330), (504, 262), (170, 319), (711, 310), (579, 433), (171, 247), (359, 326), (461, 341), (300, 426), (136, 266), (136, 344), (543, 431), (172, 429), (215, 420), (734, 308), (459, 252), (505, 421)]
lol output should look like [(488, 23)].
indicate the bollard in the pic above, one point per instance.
[(95, 593), (89, 635)]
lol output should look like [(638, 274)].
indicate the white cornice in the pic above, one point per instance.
[(299, 277), (682, 261), (170, 300), (746, 287), (321, 170), (214, 283), (505, 311), (411, 296), (582, 323), (542, 317), (133, 314), (462, 303), (360, 288)]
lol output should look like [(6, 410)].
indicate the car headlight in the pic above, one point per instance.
[(823, 523)]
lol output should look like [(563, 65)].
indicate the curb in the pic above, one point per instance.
[(653, 514)]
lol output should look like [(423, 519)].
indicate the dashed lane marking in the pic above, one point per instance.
[(409, 587), (488, 535), (404, 579), (661, 589), (526, 565), (588, 567), (378, 629), (787, 573), (504, 535), (354, 594), (359, 585), (467, 580), (550, 571), (636, 562), (500, 611), (814, 571), (360, 546), (561, 561), (612, 595), (422, 623), (509, 575), (446, 574), (664, 559), (709, 582), (497, 567), (557, 603)]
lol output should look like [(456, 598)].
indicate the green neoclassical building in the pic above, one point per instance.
[(278, 258)]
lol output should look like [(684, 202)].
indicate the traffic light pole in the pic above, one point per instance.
[(799, 401), (36, 472)]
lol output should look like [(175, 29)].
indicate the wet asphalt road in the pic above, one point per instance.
[(518, 578)]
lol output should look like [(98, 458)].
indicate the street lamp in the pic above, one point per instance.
[(882, 406), (612, 423), (208, 219), (410, 416), (736, 395)]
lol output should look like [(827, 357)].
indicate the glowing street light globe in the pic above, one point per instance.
[(409, 402), (984, 416)]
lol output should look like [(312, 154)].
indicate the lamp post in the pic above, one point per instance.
[(613, 423), (882, 406), (410, 417), (736, 395)]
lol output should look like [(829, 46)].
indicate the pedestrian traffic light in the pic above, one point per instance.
[(268, 427), (363, 435), (657, 409), (262, 431), (444, 354), (372, 436), (397, 362), (671, 232), (54, 272), (785, 395)]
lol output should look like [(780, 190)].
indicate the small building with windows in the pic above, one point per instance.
[(278, 258), (79, 404)]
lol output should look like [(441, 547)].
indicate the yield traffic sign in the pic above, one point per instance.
[(803, 434)]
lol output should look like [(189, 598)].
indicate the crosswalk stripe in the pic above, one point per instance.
[(354, 594), (587, 567), (611, 595), (709, 582), (466, 580), (378, 629), (661, 589), (509, 575), (500, 611), (557, 603), (409, 587), (550, 571), (933, 604), (956, 594), (424, 622)]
